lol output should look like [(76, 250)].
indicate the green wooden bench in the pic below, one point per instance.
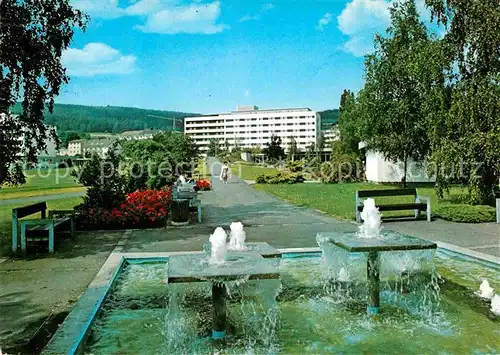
[(421, 203), (33, 230)]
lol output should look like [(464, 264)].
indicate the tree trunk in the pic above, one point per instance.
[(404, 172)]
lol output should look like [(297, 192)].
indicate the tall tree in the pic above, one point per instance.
[(399, 76), (33, 36), (213, 147), (469, 134), (349, 122), (292, 148), (273, 149)]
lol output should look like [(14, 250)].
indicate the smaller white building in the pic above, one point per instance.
[(75, 147), (138, 135), (380, 170)]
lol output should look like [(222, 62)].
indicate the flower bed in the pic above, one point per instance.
[(203, 185), (142, 209)]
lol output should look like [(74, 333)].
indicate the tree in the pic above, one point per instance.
[(310, 150), (160, 159), (68, 137), (349, 125), (292, 148), (468, 135), (400, 74), (273, 149), (213, 147), (105, 185), (33, 36), (320, 143)]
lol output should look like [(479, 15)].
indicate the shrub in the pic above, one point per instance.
[(106, 187), (203, 184), (262, 179), (147, 208), (280, 177), (295, 166), (342, 168), (465, 213)]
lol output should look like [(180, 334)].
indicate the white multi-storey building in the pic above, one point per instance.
[(250, 127)]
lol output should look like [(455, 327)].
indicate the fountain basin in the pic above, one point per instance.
[(123, 312)]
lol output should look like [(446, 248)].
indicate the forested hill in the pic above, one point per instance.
[(329, 118), (111, 119)]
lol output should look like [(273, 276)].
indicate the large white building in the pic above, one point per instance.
[(50, 143), (250, 127)]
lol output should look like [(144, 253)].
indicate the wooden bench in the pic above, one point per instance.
[(421, 203), (39, 229)]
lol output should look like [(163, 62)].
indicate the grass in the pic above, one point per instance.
[(338, 200), (42, 182), (203, 170), (248, 171), (6, 217)]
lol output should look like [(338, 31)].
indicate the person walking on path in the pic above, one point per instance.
[(224, 172)]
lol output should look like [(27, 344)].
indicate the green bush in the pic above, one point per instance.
[(342, 168), (281, 177), (465, 213), (295, 166), (105, 185)]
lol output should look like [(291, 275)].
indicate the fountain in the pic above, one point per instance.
[(218, 249), (485, 290), (237, 237), (238, 264), (495, 305), (368, 244)]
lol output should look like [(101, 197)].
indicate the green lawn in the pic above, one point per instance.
[(6, 217), (42, 182), (338, 200), (203, 171), (248, 171)]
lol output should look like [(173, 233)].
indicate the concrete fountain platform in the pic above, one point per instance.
[(388, 241), (262, 248), (196, 268)]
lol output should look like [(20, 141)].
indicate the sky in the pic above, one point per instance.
[(210, 56)]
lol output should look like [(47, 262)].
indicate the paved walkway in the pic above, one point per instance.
[(267, 219), (282, 224)]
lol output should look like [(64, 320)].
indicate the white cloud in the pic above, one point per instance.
[(97, 58), (324, 21), (143, 7), (106, 9), (193, 18), (246, 93), (361, 19), (265, 8), (161, 16)]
